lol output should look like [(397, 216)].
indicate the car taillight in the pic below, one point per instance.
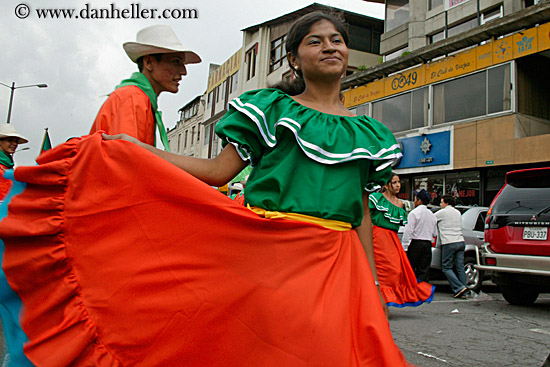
[(490, 261)]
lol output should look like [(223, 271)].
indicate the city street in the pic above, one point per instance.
[(479, 331)]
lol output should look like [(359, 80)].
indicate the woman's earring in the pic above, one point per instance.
[(297, 67)]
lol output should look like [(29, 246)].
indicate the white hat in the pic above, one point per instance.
[(158, 39), (8, 131)]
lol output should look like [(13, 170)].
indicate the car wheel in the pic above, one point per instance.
[(519, 294), (474, 277)]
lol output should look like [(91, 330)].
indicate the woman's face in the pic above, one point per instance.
[(394, 186), (9, 145), (322, 52)]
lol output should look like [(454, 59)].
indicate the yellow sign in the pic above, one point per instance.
[(225, 70), (462, 63), (405, 80), (525, 43), (484, 54), (544, 37), (502, 50)]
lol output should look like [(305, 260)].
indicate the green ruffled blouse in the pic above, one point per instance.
[(384, 214), (305, 161)]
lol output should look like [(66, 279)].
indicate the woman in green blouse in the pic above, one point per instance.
[(314, 163), (398, 283)]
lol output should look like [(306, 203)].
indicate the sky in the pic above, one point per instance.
[(82, 60)]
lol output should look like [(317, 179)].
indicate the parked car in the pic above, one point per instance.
[(517, 246), (473, 222)]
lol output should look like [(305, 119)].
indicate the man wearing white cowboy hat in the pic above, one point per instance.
[(132, 107), (9, 140)]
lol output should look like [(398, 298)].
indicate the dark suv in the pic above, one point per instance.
[(517, 246)]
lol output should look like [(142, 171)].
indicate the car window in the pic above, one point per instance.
[(480, 222), (522, 200)]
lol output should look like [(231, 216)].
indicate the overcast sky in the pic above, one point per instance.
[(82, 60)]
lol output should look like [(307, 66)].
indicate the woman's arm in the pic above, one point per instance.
[(217, 171), (364, 232)]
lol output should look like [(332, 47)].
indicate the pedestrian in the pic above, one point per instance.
[(420, 231), (132, 107), (157, 267), (9, 141), (449, 225), (10, 305), (397, 279)]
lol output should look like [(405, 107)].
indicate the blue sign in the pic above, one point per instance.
[(426, 150)]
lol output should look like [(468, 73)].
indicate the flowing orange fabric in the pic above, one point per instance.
[(127, 110), (5, 184), (122, 259), (398, 283)]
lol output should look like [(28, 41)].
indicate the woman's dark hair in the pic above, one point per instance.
[(296, 34), (448, 199), (393, 174), (139, 61)]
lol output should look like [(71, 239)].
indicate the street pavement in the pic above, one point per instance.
[(480, 331), (483, 330)]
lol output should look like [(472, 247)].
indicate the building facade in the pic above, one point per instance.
[(463, 89), (185, 137)]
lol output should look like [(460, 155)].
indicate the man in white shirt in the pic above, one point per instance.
[(420, 231), (449, 223)]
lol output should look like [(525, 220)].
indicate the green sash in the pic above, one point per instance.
[(6, 160), (141, 81)]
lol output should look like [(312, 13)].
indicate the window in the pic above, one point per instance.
[(397, 13), (223, 88), (395, 54), (192, 135), (250, 59), (436, 37), (234, 82), (278, 53), (474, 95), (491, 15), (179, 143), (432, 4), (364, 38), (453, 30), (462, 27), (209, 100), (207, 133), (464, 186), (403, 112), (217, 91), (185, 140)]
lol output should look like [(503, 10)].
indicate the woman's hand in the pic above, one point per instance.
[(126, 137)]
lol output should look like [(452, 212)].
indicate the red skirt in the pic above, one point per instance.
[(122, 259), (398, 283)]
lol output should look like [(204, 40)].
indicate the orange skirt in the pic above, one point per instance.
[(398, 283), (122, 259)]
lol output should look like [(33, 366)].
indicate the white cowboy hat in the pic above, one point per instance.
[(158, 39), (8, 131)]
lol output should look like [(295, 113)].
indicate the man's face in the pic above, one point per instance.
[(9, 145), (165, 75)]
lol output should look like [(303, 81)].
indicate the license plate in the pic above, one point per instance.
[(535, 233)]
